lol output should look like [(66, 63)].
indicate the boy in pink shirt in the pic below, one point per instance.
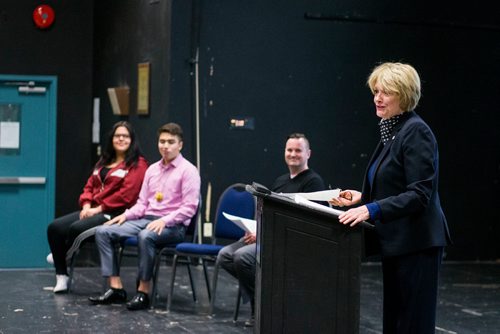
[(167, 201)]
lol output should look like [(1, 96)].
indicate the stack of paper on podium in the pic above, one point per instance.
[(324, 195), (306, 199), (248, 225)]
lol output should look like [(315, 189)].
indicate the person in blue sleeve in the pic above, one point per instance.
[(400, 197)]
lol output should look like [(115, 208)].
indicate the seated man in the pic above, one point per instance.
[(167, 201), (239, 258)]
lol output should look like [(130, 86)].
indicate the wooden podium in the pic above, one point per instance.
[(308, 269)]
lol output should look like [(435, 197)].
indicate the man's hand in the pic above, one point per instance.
[(156, 226), (117, 220), (249, 238)]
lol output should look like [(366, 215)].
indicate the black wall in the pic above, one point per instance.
[(64, 50), (297, 65), (129, 33), (302, 66)]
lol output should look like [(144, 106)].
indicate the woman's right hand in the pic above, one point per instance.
[(346, 198), (90, 212), (85, 211)]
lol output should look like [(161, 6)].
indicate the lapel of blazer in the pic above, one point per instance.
[(367, 189), (384, 150)]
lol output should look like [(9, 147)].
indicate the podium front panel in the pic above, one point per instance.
[(308, 271)]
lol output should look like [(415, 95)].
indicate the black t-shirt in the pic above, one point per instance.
[(104, 172), (307, 181)]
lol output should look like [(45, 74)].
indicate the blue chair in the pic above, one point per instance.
[(167, 251), (235, 201)]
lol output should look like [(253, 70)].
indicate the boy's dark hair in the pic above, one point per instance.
[(172, 128)]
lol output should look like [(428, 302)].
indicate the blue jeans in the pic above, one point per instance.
[(108, 236)]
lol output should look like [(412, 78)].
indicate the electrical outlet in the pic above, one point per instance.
[(207, 229)]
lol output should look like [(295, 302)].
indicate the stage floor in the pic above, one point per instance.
[(469, 302)]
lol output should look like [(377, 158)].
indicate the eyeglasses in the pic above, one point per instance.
[(118, 136)]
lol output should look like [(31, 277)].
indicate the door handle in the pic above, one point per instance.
[(22, 180)]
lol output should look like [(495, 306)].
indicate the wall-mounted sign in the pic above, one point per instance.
[(143, 88), (10, 129)]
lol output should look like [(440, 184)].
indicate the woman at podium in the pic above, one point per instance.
[(400, 197)]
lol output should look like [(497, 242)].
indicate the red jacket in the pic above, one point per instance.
[(120, 189)]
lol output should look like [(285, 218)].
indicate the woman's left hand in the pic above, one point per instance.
[(346, 198), (354, 216), (89, 212)]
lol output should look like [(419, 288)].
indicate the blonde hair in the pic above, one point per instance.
[(400, 79)]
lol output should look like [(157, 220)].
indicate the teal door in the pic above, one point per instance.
[(27, 168)]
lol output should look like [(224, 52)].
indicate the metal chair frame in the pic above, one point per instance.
[(234, 233)]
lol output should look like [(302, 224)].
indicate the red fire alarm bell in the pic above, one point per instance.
[(43, 16)]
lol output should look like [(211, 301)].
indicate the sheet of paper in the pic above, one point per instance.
[(9, 135), (305, 202), (324, 195), (248, 225)]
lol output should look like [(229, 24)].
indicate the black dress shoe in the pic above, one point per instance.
[(111, 296), (139, 302)]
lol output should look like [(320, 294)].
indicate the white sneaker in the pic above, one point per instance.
[(62, 283), (50, 259)]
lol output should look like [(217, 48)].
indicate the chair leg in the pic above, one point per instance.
[(120, 255), (214, 286), (156, 270), (172, 281), (237, 308), (191, 280), (205, 273), (71, 268)]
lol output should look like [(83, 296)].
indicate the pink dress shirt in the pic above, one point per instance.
[(170, 191)]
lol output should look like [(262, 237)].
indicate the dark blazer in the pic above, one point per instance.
[(405, 186)]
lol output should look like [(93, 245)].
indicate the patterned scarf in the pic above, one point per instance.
[(386, 127)]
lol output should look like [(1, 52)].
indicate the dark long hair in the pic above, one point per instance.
[(109, 154)]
